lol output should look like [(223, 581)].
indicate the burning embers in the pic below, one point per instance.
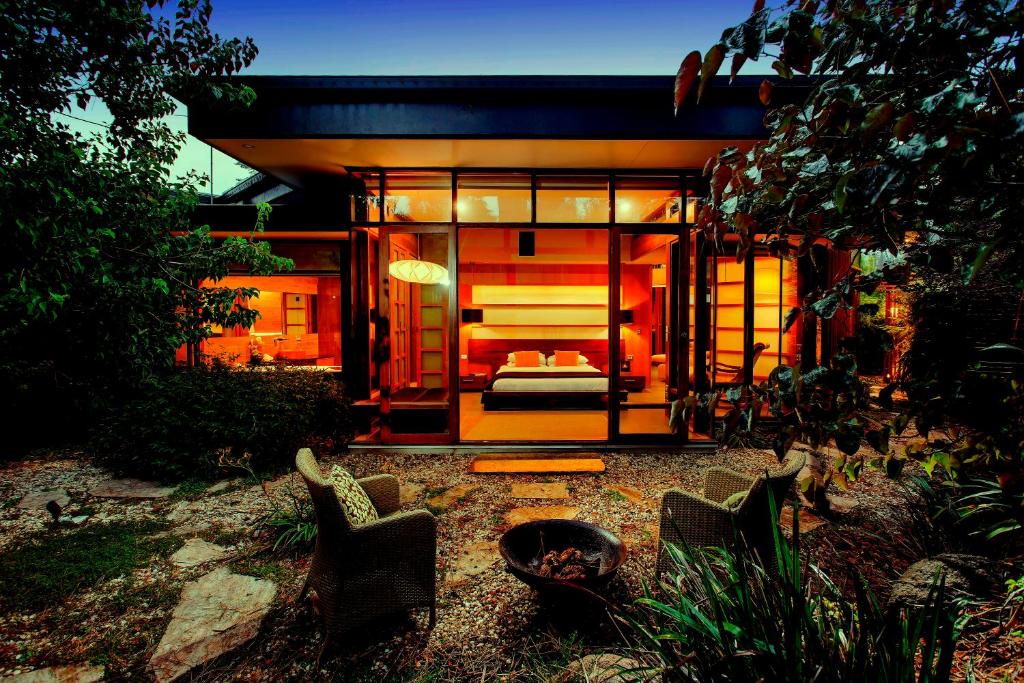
[(568, 565)]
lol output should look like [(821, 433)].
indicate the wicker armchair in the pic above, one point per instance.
[(705, 521), (361, 573)]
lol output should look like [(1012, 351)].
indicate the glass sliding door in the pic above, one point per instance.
[(413, 336), (649, 324)]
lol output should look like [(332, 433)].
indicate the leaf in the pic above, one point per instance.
[(764, 92), (982, 257), (685, 77), (712, 63), (827, 306), (904, 127), (879, 117), (737, 63), (791, 317)]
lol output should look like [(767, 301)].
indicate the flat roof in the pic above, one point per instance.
[(302, 126)]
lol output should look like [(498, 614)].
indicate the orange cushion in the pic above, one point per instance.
[(568, 359), (527, 359)]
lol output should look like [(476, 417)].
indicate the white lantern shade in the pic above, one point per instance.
[(420, 272)]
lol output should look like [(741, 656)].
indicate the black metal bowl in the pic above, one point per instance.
[(524, 547)]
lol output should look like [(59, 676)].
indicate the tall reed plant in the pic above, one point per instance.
[(723, 615)]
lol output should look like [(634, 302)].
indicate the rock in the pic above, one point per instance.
[(473, 559), (966, 575), (37, 500), (133, 489), (76, 520), (72, 673), (196, 551), (222, 486), (409, 493), (217, 613), (546, 491), (808, 522), (607, 667), (451, 496), (533, 514), (842, 504)]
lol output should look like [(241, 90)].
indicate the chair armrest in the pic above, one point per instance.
[(383, 492), (697, 521), (721, 482)]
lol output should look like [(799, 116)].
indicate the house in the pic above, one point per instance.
[(506, 259)]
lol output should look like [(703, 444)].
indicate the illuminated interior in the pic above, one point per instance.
[(299, 323), (553, 297)]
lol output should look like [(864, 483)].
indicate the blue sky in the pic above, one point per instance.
[(429, 37)]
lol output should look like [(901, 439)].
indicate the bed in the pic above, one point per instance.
[(544, 387)]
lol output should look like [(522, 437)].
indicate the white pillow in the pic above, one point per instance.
[(550, 362)]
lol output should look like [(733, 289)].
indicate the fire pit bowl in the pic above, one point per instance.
[(525, 546)]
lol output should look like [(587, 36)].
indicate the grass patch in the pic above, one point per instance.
[(191, 489), (261, 568), (616, 495), (55, 564)]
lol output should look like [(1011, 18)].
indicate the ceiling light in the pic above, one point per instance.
[(247, 145), (419, 272)]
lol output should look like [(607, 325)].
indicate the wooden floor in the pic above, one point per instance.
[(476, 424)]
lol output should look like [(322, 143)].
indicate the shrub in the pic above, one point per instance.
[(724, 617), (197, 422)]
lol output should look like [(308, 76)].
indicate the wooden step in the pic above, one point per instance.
[(536, 463)]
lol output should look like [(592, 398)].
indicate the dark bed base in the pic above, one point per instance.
[(547, 400)]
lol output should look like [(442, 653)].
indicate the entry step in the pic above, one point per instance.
[(537, 463)]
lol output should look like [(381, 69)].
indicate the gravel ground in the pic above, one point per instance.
[(489, 627)]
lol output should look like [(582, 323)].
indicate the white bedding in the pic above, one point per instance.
[(585, 382)]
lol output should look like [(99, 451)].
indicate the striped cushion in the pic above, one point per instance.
[(356, 504)]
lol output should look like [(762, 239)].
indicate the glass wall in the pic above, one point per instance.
[(494, 198), (640, 199), (572, 199), (418, 196), (645, 302), (533, 335)]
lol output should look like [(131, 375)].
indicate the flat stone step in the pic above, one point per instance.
[(536, 463)]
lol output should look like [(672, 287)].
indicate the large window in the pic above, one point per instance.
[(572, 199), (415, 196), (494, 198), (299, 323)]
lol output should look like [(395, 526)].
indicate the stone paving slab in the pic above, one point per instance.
[(409, 493), (71, 673), (452, 496), (551, 491), (37, 500), (196, 551), (217, 613), (537, 513), (134, 489), (473, 559)]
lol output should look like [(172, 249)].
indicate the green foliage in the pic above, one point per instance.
[(197, 422), (293, 523), (53, 565), (722, 616), (101, 263), (909, 142)]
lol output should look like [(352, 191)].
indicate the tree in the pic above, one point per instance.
[(909, 141), (101, 265)]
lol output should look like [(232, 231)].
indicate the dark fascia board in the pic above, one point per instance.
[(510, 107), (282, 218)]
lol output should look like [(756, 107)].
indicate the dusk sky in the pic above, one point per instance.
[(429, 37)]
